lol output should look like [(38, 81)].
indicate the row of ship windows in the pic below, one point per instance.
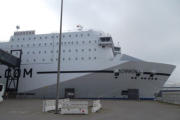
[(52, 51), (47, 37), (145, 78), (45, 44), (64, 59)]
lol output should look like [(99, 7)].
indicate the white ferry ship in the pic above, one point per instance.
[(91, 67)]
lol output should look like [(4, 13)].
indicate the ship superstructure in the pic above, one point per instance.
[(91, 67)]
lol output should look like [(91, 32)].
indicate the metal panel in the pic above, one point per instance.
[(8, 59)]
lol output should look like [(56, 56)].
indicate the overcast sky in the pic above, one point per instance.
[(147, 29)]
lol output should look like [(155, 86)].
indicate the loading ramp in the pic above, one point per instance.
[(12, 74)]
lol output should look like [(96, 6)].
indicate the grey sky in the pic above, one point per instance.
[(147, 29)]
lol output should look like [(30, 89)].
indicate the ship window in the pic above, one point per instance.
[(11, 46), (94, 49), (39, 44), (28, 52), (69, 35), (33, 52), (89, 58), (63, 59), (63, 51), (52, 51), (63, 36), (76, 35), (44, 51), (39, 52), (18, 38), (45, 44), (29, 38), (57, 43), (76, 42), (105, 39), (69, 58), (46, 37), (69, 50), (34, 38), (89, 49), (76, 50), (88, 34), (82, 50), (52, 36), (34, 60), (65, 43), (21, 45), (82, 58), (72, 43), (95, 41), (57, 36), (81, 35), (155, 78), (89, 41), (76, 58), (43, 59), (33, 44), (68, 42), (17, 45), (52, 59), (50, 43), (23, 38), (40, 37), (94, 57)]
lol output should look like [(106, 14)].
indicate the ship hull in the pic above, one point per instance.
[(136, 75)]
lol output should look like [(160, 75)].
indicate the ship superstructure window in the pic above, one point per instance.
[(105, 39), (69, 35), (76, 35), (76, 50), (88, 34), (39, 44), (76, 42)]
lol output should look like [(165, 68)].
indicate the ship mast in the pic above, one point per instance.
[(59, 61)]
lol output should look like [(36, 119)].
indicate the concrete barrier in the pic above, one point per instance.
[(49, 105), (96, 106), (75, 107)]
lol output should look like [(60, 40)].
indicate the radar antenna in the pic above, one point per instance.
[(17, 27), (79, 27)]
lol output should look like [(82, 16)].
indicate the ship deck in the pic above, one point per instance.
[(31, 109)]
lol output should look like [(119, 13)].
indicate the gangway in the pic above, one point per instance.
[(12, 74)]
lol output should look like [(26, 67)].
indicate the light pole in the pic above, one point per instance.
[(59, 61)]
